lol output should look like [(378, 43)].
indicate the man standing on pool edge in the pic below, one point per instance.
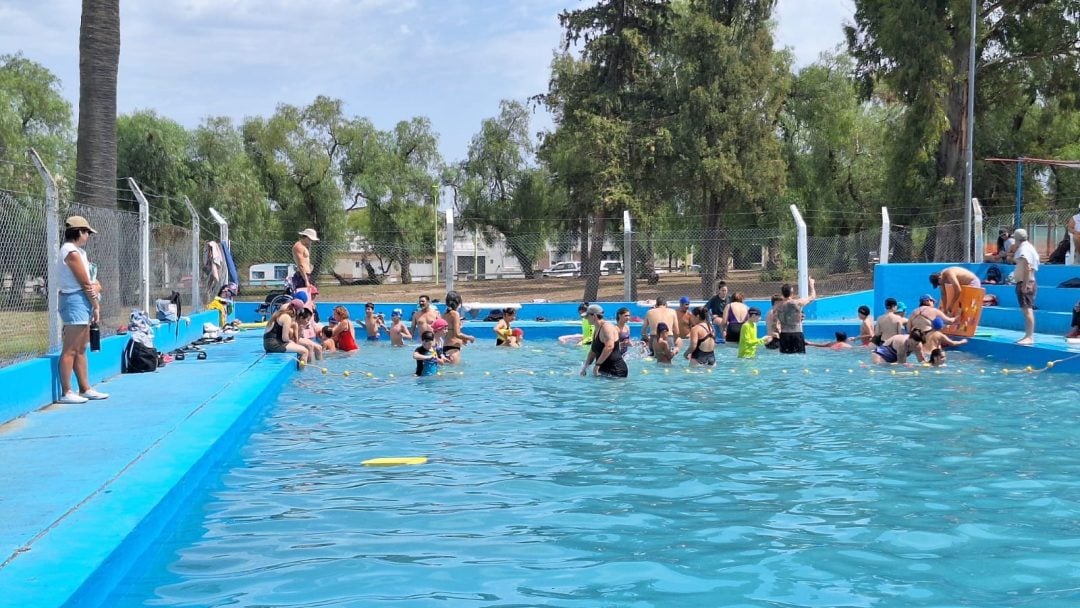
[(1027, 264)]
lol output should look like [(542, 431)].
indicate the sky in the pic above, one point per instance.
[(388, 60)]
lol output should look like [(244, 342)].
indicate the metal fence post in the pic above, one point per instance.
[(451, 259), (144, 243), (223, 226), (628, 256), (195, 282), (801, 244), (886, 226), (52, 247), (977, 218)]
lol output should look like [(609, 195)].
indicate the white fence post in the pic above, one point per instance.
[(144, 244), (804, 271), (451, 259), (628, 256), (977, 218), (886, 227), (195, 271), (52, 248), (223, 227)]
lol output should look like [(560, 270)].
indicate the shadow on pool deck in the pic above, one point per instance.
[(78, 480), (86, 488)]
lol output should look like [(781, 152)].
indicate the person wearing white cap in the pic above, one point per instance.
[(1027, 264), (604, 351), (80, 307), (301, 253)]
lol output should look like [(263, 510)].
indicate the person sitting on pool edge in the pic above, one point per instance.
[(896, 349), (426, 356), (604, 350)]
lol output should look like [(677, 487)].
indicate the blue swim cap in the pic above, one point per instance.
[(938, 323), (302, 295)]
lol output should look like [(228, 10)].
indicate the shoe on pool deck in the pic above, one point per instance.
[(72, 397), (93, 395)]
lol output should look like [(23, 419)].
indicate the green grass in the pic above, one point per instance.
[(23, 333)]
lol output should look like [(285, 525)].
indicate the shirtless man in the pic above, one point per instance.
[(950, 280), (301, 253), (890, 323), (423, 317), (686, 319), (790, 314), (1027, 264), (659, 314)]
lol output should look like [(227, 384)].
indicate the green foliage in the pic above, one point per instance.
[(33, 114), (153, 150)]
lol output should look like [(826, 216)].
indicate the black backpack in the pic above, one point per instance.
[(993, 274), (138, 358)]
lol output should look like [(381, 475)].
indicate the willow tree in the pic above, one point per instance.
[(604, 105), (729, 89)]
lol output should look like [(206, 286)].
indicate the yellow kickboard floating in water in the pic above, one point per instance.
[(394, 461)]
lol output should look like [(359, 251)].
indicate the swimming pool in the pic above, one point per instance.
[(796, 481)]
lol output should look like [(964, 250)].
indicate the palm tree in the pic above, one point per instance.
[(99, 60)]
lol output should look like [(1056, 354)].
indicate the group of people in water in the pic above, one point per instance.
[(666, 333)]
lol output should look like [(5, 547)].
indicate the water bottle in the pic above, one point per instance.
[(95, 337)]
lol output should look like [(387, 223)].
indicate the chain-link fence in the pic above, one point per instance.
[(24, 316), (1046, 230)]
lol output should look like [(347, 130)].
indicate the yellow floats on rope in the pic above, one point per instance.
[(395, 461)]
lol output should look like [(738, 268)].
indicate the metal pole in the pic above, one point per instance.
[(144, 243), (435, 264), (52, 243), (195, 303), (451, 259), (1019, 192), (801, 244), (976, 211), (628, 256), (886, 227), (970, 135)]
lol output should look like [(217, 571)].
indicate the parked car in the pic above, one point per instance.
[(563, 269), (610, 267)]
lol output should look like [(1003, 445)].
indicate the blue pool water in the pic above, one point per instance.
[(787, 481)]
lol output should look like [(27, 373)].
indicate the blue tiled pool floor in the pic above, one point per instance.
[(69, 469)]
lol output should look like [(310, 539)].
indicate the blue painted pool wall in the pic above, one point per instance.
[(832, 307), (129, 553), (34, 383)]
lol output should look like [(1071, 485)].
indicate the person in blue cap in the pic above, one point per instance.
[(397, 331), (924, 316), (936, 339), (685, 318)]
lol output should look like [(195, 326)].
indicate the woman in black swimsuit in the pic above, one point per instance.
[(702, 340), (604, 351)]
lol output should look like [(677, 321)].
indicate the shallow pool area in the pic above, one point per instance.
[(782, 481)]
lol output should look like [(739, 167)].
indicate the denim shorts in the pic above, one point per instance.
[(75, 308)]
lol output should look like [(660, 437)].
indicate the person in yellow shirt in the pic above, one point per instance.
[(748, 340)]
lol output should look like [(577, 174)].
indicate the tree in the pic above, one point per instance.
[(297, 153), (920, 51), (729, 90), (33, 114), (99, 60), (604, 107), (394, 174), (153, 150), (501, 196)]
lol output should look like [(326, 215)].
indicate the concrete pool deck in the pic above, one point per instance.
[(81, 481), (87, 489)]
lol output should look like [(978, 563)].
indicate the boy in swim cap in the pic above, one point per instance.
[(397, 331), (937, 340)]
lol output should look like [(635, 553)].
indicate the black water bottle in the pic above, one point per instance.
[(95, 337)]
